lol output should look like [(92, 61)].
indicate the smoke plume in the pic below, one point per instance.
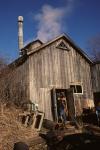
[(50, 20)]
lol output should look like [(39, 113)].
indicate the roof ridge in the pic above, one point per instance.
[(67, 38)]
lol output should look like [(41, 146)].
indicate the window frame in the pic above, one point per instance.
[(75, 85)]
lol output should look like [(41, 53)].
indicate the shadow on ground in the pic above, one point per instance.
[(82, 141)]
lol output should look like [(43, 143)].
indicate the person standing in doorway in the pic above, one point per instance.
[(62, 108)]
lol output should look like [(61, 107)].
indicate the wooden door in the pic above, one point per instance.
[(96, 98), (70, 104), (54, 105)]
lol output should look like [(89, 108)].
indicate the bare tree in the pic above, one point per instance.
[(94, 47), (13, 84)]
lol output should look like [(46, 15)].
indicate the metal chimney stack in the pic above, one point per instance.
[(20, 33)]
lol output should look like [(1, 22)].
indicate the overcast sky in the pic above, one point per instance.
[(46, 19)]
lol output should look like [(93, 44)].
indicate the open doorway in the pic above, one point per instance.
[(69, 107), (62, 109)]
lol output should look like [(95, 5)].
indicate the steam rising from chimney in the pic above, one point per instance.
[(20, 33)]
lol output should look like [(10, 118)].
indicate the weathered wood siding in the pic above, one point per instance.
[(95, 69), (53, 67), (48, 68)]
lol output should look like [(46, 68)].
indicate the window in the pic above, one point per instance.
[(77, 89), (62, 45)]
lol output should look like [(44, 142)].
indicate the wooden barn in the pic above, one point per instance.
[(45, 70)]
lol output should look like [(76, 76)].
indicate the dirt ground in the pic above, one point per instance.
[(12, 131)]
